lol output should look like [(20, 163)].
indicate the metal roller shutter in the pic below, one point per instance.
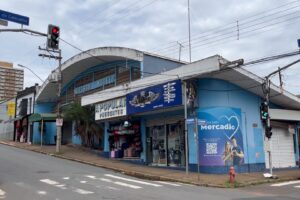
[(282, 148)]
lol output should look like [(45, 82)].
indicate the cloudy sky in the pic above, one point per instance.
[(231, 28)]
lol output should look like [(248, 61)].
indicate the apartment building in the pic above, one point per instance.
[(11, 81)]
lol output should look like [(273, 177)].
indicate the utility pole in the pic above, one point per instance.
[(180, 46), (189, 27), (59, 121)]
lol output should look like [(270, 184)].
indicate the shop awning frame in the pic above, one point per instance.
[(46, 117)]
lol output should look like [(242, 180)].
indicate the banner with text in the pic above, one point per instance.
[(110, 109), (220, 136)]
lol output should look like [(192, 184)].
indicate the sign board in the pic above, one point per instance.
[(110, 109), (3, 22), (220, 136), (155, 97), (11, 107), (59, 121), (299, 43), (14, 17)]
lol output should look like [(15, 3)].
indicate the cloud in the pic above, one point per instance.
[(156, 26)]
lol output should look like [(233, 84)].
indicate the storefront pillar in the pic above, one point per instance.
[(106, 142), (143, 139)]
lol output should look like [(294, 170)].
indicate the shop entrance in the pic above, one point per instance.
[(165, 145)]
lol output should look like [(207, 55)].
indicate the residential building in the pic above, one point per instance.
[(11, 81)]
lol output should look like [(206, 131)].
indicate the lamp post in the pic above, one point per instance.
[(31, 72)]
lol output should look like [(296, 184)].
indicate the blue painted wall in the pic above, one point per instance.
[(76, 139), (157, 65), (215, 92), (50, 127)]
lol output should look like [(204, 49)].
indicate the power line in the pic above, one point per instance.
[(217, 30)]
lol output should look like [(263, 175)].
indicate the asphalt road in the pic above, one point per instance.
[(25, 175)]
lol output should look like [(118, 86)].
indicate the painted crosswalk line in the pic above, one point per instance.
[(168, 183), (82, 191), (54, 183), (285, 183), (2, 194), (132, 180), (115, 182), (127, 185)]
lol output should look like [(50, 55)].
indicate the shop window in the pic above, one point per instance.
[(125, 140)]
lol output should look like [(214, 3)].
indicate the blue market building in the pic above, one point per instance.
[(88, 72), (144, 120)]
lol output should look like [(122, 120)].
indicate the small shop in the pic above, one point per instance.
[(166, 142), (124, 136), (125, 140), (165, 139)]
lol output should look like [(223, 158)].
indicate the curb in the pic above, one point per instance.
[(149, 176)]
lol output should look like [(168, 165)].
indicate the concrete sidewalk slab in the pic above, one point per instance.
[(153, 173)]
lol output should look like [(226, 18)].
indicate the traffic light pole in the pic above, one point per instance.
[(266, 90), (59, 126), (268, 121)]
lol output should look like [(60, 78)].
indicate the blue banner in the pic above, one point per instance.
[(155, 97), (220, 137)]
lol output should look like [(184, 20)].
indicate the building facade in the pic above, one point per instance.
[(11, 81), (224, 127), (91, 72)]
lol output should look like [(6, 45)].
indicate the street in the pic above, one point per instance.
[(30, 175)]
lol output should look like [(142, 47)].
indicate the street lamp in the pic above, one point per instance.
[(31, 71)]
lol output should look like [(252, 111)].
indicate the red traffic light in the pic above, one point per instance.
[(55, 30)]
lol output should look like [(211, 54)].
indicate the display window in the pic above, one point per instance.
[(125, 140), (165, 145)]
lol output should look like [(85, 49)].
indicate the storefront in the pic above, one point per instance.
[(165, 143)]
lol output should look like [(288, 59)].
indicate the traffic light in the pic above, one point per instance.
[(53, 37), (268, 132), (264, 113)]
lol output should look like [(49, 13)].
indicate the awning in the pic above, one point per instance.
[(36, 117)]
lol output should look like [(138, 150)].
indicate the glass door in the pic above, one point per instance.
[(158, 145), (175, 145)]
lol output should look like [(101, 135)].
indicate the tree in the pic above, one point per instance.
[(85, 125)]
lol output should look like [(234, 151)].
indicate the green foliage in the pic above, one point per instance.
[(85, 125)]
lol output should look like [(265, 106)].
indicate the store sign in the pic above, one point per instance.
[(11, 108), (95, 84), (155, 97), (220, 137), (111, 108)]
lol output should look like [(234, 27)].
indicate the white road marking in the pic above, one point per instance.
[(105, 180), (42, 192), (91, 177), (2, 194), (127, 185), (81, 191), (50, 182), (298, 186), (132, 180), (62, 186), (168, 183), (285, 183), (83, 181), (66, 178)]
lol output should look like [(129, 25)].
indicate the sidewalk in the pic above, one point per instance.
[(153, 173)]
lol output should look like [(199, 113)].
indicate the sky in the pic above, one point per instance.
[(234, 29)]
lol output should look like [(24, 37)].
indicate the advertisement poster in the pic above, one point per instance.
[(155, 97), (220, 137)]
